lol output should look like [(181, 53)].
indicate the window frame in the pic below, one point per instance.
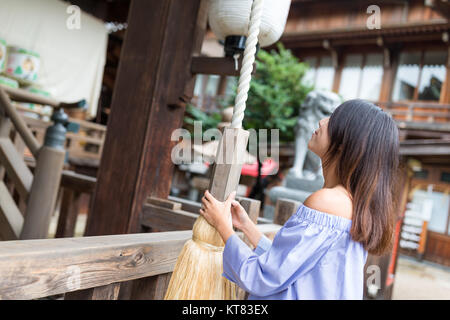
[(419, 77)]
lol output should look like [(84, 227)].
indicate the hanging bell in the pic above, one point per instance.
[(229, 19)]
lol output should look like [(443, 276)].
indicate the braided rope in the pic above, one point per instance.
[(247, 64)]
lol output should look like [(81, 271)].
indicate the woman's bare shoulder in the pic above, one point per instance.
[(334, 201)]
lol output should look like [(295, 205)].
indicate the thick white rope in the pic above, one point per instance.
[(247, 64)]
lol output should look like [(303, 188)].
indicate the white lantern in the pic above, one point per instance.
[(229, 18)]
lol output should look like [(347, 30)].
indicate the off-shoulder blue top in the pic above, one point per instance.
[(312, 257)]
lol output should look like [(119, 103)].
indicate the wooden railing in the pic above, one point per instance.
[(95, 267), (419, 115), (86, 142), (27, 198), (34, 269)]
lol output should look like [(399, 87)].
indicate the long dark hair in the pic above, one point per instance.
[(364, 146)]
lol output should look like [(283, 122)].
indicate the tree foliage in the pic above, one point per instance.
[(276, 92)]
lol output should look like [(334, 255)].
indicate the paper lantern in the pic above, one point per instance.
[(229, 19)]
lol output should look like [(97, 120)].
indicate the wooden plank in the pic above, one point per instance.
[(16, 168), (164, 219), (223, 66), (108, 292), (77, 181), (148, 105), (284, 209), (21, 95), (11, 220), (187, 205), (165, 203)]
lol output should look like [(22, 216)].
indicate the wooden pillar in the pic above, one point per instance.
[(390, 64), (445, 91), (153, 84), (44, 190), (338, 65)]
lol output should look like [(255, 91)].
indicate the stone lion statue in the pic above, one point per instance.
[(317, 105)]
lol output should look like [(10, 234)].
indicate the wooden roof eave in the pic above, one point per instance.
[(392, 33)]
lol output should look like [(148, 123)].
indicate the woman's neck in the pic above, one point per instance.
[(330, 177)]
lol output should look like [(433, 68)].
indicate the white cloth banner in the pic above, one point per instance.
[(72, 60)]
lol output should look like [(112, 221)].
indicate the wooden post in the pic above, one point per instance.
[(148, 105), (284, 209), (68, 213), (154, 83), (44, 190)]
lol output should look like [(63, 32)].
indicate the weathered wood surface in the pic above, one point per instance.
[(284, 209), (226, 171), (38, 268)]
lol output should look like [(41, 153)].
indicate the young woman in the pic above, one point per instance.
[(321, 250)]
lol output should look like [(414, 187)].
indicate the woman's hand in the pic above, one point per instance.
[(240, 218), (218, 213)]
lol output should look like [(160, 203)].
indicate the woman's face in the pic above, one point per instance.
[(320, 141)]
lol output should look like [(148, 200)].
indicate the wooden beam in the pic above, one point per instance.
[(187, 205), (194, 207), (163, 219), (78, 182), (148, 105), (225, 66), (19, 124), (165, 203), (437, 126)]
